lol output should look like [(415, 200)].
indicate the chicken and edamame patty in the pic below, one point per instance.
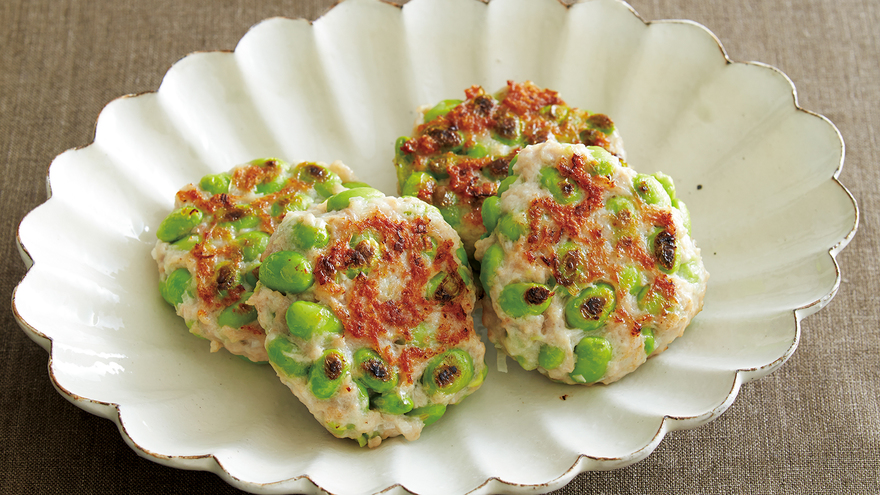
[(209, 247), (367, 304), (589, 267), (460, 151)]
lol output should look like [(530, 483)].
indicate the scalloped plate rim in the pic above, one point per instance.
[(111, 411)]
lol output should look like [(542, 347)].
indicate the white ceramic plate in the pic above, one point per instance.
[(758, 173)]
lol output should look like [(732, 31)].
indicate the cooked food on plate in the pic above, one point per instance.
[(367, 301), (589, 267), (209, 247), (460, 150)]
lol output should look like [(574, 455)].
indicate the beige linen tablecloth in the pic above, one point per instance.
[(811, 427)]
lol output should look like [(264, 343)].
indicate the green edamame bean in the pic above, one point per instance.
[(685, 213), (453, 214), (418, 182), (590, 309), (556, 112), (297, 202), (477, 150), (355, 184), (651, 301), (600, 122), (441, 108), (525, 299), (465, 275), (244, 223), (629, 279), (306, 237), (250, 277), (187, 243), (368, 250), (667, 183), (428, 414), (272, 184), (618, 204), (491, 210), (664, 247), (430, 246), (373, 372), (570, 263), (490, 264), (287, 356), (307, 319), (511, 164), (422, 334), (690, 271), (649, 340), (322, 179), (439, 166), (508, 129), (550, 357), (287, 271), (462, 256), (592, 355), (506, 183), (341, 200), (253, 244), (179, 223), (651, 191), (216, 183), (226, 276), (525, 363), (564, 190), (176, 286), (326, 375), (604, 161), (392, 403), (449, 372), (510, 227), (442, 288), (238, 314), (479, 378)]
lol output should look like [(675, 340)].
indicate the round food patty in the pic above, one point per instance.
[(589, 266), (367, 302), (209, 247), (461, 150)]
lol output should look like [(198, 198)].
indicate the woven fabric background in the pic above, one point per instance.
[(811, 427)]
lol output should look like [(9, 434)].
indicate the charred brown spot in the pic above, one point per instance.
[(483, 105), (333, 366), (324, 270), (446, 374), (506, 127), (567, 267), (377, 369), (593, 137), (600, 121), (364, 252), (225, 277), (445, 137), (592, 308), (538, 136), (536, 295), (499, 167), (316, 172), (443, 197), (664, 249), (448, 289), (234, 214)]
